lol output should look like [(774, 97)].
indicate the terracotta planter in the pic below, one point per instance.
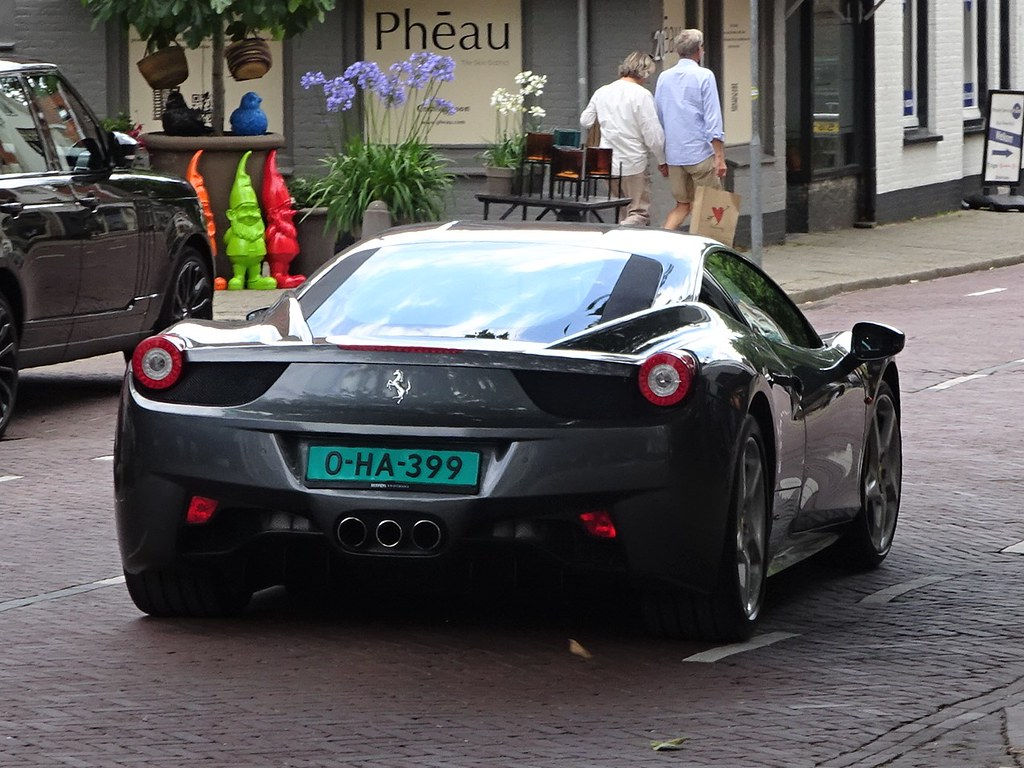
[(248, 59), (166, 68), (171, 154), (499, 180), (317, 243)]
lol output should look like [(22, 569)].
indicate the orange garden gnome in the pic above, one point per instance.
[(282, 243), (243, 240), (196, 180)]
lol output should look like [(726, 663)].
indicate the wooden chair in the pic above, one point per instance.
[(598, 166), (567, 167)]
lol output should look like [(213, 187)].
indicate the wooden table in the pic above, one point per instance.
[(565, 208)]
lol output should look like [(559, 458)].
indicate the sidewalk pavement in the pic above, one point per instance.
[(822, 264)]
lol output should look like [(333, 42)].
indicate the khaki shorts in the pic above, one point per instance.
[(685, 178)]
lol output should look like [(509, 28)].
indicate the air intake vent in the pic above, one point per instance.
[(220, 384)]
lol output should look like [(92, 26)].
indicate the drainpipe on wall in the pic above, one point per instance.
[(582, 52), (756, 218)]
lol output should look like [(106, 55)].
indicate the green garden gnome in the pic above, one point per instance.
[(243, 240)]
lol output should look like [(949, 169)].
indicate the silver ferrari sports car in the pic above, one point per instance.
[(641, 405)]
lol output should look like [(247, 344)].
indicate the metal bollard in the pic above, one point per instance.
[(376, 219)]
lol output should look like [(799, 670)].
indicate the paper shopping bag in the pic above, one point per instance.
[(714, 214)]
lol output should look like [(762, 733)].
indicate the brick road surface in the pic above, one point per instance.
[(923, 680)]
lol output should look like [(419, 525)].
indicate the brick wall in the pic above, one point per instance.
[(328, 48), (906, 166), (60, 32)]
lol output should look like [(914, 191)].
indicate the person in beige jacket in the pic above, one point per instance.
[(629, 124)]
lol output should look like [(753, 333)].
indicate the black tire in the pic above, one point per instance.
[(733, 608), (868, 540), (8, 363), (190, 291), (193, 593)]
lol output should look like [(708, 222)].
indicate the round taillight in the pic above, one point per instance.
[(157, 362), (666, 377)]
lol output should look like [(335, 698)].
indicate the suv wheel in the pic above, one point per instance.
[(8, 363)]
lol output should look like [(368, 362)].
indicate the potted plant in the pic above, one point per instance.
[(162, 24), (390, 160), (504, 155), (318, 241)]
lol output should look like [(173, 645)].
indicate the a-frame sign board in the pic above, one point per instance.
[(1004, 152)]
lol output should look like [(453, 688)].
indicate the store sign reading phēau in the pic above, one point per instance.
[(483, 36)]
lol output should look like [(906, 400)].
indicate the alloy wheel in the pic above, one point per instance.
[(883, 475), (193, 293), (8, 364), (751, 528)]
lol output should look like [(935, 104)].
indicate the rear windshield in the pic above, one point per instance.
[(514, 291)]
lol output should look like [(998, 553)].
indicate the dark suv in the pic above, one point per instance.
[(93, 256)]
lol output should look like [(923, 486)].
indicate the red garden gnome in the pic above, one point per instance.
[(282, 243)]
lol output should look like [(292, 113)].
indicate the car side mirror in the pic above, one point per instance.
[(874, 341)]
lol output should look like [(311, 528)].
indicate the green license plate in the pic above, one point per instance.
[(362, 467)]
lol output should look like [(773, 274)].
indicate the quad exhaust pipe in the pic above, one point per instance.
[(389, 533), (426, 534), (352, 532)]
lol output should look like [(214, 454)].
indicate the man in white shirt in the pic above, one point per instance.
[(629, 123)]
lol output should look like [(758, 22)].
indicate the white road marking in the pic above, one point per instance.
[(715, 654), (1015, 549), (104, 458), (978, 375), (891, 593), (8, 478), (78, 589), (958, 380), (985, 293)]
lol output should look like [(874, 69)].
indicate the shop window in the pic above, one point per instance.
[(832, 86), (912, 92), (974, 44)]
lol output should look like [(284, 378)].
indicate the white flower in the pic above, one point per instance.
[(536, 111)]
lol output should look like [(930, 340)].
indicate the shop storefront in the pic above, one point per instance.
[(829, 124)]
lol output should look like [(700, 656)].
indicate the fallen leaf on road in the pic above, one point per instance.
[(668, 745), (578, 650)]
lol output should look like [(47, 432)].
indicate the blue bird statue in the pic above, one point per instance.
[(249, 119)]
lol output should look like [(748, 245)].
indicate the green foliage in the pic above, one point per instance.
[(409, 177), (506, 152), (163, 22), (122, 122), (303, 191)]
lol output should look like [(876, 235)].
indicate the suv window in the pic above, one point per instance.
[(21, 146), (764, 305), (76, 138)]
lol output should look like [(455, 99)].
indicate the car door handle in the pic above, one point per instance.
[(89, 201), (12, 208)]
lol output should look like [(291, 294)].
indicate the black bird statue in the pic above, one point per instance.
[(181, 120)]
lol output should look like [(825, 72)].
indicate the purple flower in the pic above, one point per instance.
[(310, 79), (339, 93), (392, 91), (441, 105), (422, 65), (400, 68), (444, 69), (366, 74)]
